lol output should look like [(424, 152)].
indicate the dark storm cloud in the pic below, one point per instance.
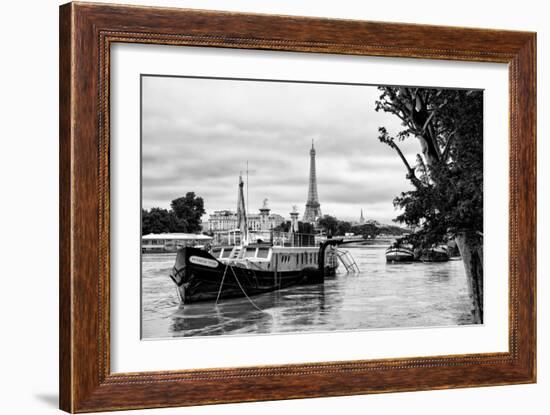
[(199, 133)]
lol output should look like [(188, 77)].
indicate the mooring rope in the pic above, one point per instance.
[(221, 284), (244, 292)]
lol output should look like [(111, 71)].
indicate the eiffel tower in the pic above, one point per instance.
[(313, 207)]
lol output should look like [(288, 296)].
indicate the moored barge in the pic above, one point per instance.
[(252, 268), (239, 271)]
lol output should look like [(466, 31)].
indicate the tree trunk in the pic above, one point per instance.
[(470, 245)]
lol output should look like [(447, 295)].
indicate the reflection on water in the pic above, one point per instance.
[(381, 296)]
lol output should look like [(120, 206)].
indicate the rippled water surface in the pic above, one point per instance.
[(380, 296)]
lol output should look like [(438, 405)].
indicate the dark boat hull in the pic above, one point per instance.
[(394, 255), (434, 255), (201, 277)]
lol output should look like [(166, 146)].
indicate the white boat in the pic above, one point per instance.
[(399, 254)]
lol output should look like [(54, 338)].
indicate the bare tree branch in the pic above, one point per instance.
[(410, 171)]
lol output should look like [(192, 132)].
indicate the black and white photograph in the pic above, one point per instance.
[(278, 206), (274, 206)]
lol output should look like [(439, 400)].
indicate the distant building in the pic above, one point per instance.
[(222, 220), (226, 220), (361, 218), (171, 242)]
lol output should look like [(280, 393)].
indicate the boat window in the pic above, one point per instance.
[(226, 253), (250, 253), (263, 252)]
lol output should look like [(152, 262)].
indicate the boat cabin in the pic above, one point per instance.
[(269, 258)]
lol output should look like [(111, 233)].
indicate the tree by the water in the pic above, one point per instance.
[(159, 220), (328, 223), (184, 216), (367, 230), (447, 176), (189, 208), (343, 227)]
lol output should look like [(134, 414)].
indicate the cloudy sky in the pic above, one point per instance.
[(197, 135)]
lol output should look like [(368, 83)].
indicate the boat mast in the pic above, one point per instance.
[(247, 207), (241, 213)]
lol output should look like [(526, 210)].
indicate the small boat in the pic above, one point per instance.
[(399, 254), (437, 254)]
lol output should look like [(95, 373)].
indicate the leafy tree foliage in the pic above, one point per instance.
[(283, 227), (159, 220), (448, 174), (343, 227), (328, 223), (367, 230), (189, 209), (183, 217)]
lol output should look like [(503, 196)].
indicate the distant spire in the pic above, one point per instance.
[(313, 207), (361, 219)]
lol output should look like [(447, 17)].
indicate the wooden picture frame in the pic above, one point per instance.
[(86, 33)]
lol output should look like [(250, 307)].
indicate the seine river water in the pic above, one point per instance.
[(380, 296)]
